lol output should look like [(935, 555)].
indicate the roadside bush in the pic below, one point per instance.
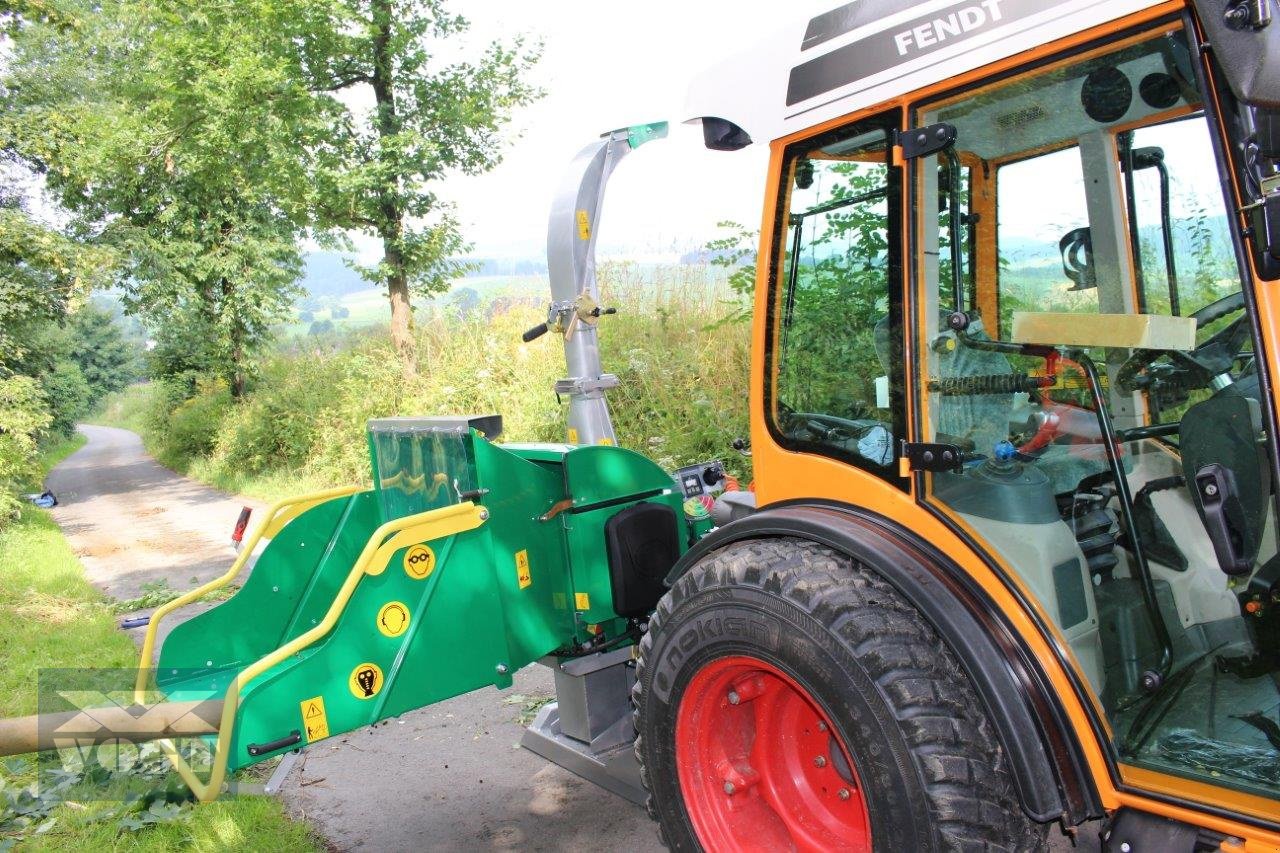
[(68, 394), (131, 408), (194, 424), (24, 417), (682, 397), (276, 426)]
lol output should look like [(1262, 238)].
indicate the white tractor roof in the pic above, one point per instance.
[(826, 62)]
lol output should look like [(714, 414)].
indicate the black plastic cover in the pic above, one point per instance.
[(1245, 37), (720, 134), (643, 543)]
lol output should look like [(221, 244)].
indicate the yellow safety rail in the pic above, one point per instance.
[(278, 515), (385, 541)]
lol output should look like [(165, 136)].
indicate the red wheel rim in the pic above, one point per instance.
[(760, 766)]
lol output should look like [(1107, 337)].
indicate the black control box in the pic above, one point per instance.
[(705, 478)]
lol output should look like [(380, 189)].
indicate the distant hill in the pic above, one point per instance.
[(326, 274)]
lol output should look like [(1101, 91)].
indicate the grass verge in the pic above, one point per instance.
[(51, 617)]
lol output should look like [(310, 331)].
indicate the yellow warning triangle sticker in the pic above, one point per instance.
[(313, 711)]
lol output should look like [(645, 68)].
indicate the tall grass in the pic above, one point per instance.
[(682, 396)]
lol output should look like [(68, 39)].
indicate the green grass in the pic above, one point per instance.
[(242, 823), (51, 617), (58, 449)]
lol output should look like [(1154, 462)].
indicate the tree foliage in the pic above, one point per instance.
[(172, 133), (430, 117), (25, 416), (202, 140), (42, 273)]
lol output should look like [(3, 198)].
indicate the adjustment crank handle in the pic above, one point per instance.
[(534, 333), (1216, 488)]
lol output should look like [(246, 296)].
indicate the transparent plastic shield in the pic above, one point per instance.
[(420, 464)]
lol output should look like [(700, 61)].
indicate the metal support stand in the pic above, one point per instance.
[(282, 772), (588, 730)]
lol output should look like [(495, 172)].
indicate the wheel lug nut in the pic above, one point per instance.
[(729, 788), (819, 762), (843, 793), (734, 698)]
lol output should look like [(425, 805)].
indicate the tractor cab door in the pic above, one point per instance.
[(1087, 351)]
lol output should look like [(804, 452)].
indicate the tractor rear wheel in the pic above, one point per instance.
[(788, 698)]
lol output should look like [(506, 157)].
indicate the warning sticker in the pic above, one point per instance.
[(393, 619), (584, 226), (419, 561), (365, 681), (522, 569), (582, 601), (314, 719), (573, 435)]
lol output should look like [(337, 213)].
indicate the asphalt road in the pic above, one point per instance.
[(450, 777)]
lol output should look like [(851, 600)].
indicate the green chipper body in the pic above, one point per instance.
[(538, 576)]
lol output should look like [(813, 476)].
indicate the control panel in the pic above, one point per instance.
[(705, 478)]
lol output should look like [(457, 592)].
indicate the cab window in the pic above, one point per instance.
[(1102, 394), (835, 335)]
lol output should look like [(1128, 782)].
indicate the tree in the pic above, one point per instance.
[(430, 118), (25, 415), (174, 134), (43, 273), (97, 346)]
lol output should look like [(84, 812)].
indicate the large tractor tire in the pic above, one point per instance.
[(788, 698)]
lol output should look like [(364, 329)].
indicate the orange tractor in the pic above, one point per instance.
[(1013, 423)]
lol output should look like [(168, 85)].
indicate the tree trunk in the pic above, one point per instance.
[(390, 204), (236, 376)]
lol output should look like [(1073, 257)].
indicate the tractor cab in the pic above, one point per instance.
[(1024, 300)]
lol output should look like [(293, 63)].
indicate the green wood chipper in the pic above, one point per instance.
[(465, 561)]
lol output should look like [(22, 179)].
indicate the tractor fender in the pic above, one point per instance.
[(1048, 766)]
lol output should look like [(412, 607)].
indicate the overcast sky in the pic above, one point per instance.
[(609, 65)]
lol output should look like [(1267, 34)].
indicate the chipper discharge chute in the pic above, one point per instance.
[(465, 561)]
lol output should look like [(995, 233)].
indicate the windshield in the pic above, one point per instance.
[(1100, 387)]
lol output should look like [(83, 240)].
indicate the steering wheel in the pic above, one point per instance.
[(1197, 368), (823, 426)]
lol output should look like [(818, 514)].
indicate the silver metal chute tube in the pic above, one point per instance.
[(571, 265)]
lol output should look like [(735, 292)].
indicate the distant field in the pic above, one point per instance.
[(369, 307), (618, 280)]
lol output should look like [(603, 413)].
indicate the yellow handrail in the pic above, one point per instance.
[(278, 515), (423, 527)]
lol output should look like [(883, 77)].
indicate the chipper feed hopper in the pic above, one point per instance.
[(466, 561)]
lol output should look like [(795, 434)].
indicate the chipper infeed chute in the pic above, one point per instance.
[(466, 561)]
